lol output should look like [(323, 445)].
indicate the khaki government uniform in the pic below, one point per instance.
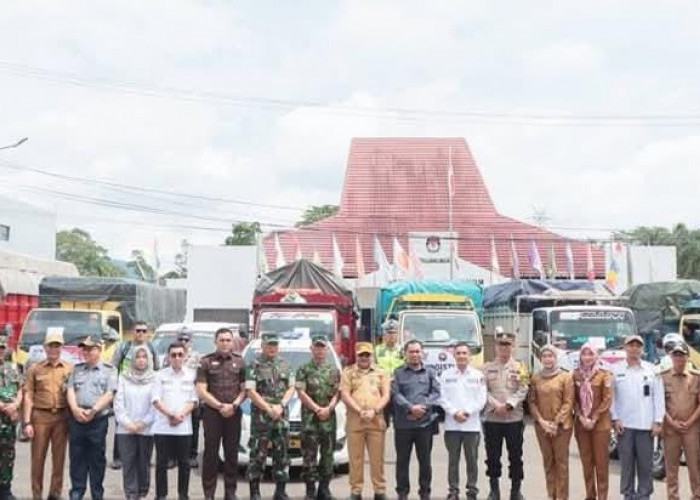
[(46, 383), (682, 391), (552, 399), (367, 388), (594, 444)]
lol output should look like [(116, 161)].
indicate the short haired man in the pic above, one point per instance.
[(221, 387), (91, 388), (45, 412), (637, 411), (365, 390), (462, 397), (174, 397), (415, 392)]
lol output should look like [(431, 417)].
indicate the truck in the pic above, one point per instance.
[(564, 313), (306, 299), (78, 307), (437, 313)]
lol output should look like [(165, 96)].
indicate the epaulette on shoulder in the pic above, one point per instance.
[(667, 370), (694, 371)]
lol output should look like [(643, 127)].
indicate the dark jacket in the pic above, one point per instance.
[(414, 387)]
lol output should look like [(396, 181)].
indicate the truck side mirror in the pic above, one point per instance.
[(345, 332), (540, 338)]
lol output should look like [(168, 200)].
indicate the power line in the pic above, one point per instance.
[(397, 113)]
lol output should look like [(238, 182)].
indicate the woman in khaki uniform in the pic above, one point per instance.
[(551, 401), (593, 387)]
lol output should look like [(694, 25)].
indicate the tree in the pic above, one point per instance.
[(243, 233), (91, 259), (140, 266), (686, 241), (315, 213), (181, 257)]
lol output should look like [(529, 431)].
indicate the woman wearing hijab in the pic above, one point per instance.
[(134, 415), (593, 387), (551, 401)]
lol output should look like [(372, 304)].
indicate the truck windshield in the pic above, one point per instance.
[(440, 328), (293, 358), (605, 329), (305, 323), (75, 326)]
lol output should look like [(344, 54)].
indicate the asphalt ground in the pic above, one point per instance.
[(533, 487)]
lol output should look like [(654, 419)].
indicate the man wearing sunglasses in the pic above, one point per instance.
[(174, 397), (123, 355)]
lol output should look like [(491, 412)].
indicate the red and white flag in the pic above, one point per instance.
[(359, 258), (338, 262), (570, 261), (495, 266), (279, 258), (590, 271)]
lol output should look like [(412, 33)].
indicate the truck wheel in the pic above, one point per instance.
[(343, 468)]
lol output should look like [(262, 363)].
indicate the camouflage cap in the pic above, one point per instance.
[(270, 338), (319, 338)]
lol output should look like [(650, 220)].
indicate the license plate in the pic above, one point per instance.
[(295, 443)]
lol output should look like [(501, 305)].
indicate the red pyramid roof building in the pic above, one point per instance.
[(395, 186)]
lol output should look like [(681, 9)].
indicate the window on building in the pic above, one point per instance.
[(4, 233)]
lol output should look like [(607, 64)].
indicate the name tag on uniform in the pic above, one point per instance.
[(214, 363), (619, 375)]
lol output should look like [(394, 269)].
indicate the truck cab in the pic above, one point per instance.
[(570, 327), (74, 325), (439, 321)]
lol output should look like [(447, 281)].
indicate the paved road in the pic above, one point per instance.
[(533, 487)]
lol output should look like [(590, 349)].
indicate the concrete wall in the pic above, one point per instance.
[(32, 229), (220, 278)]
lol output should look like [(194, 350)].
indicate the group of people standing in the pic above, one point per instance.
[(60, 404)]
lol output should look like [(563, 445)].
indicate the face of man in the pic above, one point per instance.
[(462, 357), (634, 351), (92, 354), (270, 350), (679, 361), (177, 358), (391, 338), (364, 360), (504, 350), (224, 342), (53, 351), (319, 352), (140, 334), (414, 355)]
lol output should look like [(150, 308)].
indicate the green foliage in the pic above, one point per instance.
[(243, 233), (316, 213), (686, 241), (91, 259)]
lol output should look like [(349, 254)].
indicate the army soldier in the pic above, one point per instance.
[(365, 391), (318, 383), (507, 383), (221, 387), (10, 399), (269, 385), (681, 428), (45, 412), (91, 388)]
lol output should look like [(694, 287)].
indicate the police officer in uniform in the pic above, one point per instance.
[(507, 383), (10, 399), (269, 384), (389, 356), (318, 384), (221, 386), (91, 388), (681, 429)]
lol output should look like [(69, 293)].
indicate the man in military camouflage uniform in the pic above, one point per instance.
[(318, 384), (10, 398), (269, 385)]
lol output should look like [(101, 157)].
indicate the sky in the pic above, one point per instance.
[(239, 111)]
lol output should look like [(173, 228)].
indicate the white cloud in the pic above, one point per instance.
[(564, 57)]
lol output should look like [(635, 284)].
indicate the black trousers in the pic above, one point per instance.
[(494, 435), (404, 441), (196, 419), (219, 430), (136, 451), (177, 448), (87, 457)]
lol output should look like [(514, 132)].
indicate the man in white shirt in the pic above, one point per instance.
[(462, 396), (174, 397), (637, 412)]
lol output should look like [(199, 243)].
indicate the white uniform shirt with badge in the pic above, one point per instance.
[(174, 390), (638, 396), (462, 391)]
